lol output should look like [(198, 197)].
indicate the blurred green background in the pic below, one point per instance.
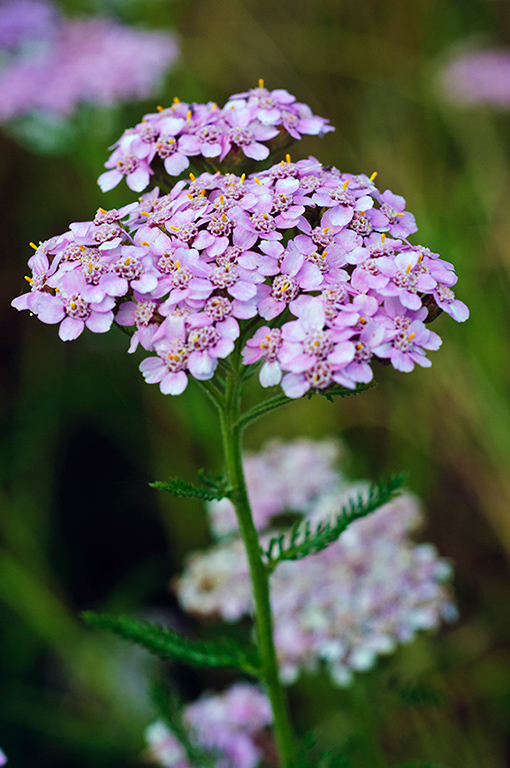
[(82, 435)]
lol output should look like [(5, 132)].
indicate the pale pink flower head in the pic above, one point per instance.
[(477, 78), (95, 61), (343, 607), (225, 724), (301, 261)]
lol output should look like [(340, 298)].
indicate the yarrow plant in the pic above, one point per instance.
[(304, 275)]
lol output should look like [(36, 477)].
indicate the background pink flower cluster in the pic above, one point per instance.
[(55, 64), (317, 260), (340, 609), (226, 724)]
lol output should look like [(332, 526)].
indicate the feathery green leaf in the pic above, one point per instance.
[(213, 487), (339, 391), (302, 540), (165, 643)]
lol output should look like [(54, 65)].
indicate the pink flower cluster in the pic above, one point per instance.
[(227, 724), (241, 129), (185, 270), (68, 62), (341, 608), (478, 78), (279, 479)]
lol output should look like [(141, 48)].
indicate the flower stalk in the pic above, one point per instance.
[(231, 431)]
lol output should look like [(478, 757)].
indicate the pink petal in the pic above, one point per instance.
[(174, 383), (70, 328)]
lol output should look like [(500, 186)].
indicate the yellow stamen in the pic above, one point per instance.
[(285, 286), (408, 268), (411, 336), (362, 213), (101, 210), (127, 262), (34, 246), (178, 264), (29, 279), (223, 217), (222, 199), (257, 180), (324, 253), (190, 195), (399, 214), (359, 346), (214, 105), (261, 82), (325, 229), (160, 108), (267, 337), (373, 176), (242, 178), (82, 248), (73, 305), (345, 184), (172, 226), (202, 192), (420, 257), (192, 176), (188, 116), (362, 320), (145, 213), (145, 243), (383, 237), (177, 100), (91, 267), (287, 158)]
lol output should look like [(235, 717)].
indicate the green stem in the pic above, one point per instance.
[(231, 436)]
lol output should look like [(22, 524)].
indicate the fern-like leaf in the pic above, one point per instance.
[(165, 643), (213, 487), (302, 540), (339, 391)]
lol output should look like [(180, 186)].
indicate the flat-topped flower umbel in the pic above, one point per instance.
[(317, 260)]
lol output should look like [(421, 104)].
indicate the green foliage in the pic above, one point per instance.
[(302, 540), (339, 391), (165, 643), (312, 756), (212, 487), (420, 764), (420, 695), (169, 708)]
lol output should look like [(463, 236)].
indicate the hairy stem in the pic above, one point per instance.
[(231, 436)]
